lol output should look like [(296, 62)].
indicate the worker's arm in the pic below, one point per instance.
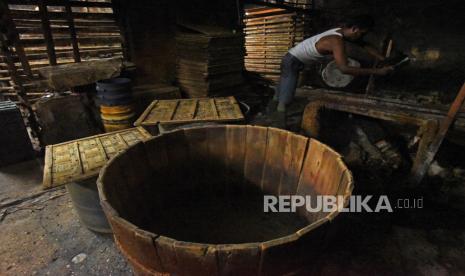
[(341, 60)]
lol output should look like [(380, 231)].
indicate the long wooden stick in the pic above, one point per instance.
[(371, 80), (443, 128)]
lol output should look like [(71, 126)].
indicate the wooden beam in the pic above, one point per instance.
[(427, 127), (443, 129), (392, 105), (47, 32), (72, 31), (73, 3), (391, 110)]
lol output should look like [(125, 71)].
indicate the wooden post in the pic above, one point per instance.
[(437, 141), (72, 31), (47, 32), (123, 24), (427, 132)]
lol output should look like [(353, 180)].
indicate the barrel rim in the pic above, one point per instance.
[(107, 207)]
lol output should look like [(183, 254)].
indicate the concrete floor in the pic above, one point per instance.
[(41, 236)]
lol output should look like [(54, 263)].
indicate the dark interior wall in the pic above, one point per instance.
[(151, 31), (150, 35), (430, 30)]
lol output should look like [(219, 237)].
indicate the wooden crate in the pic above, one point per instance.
[(82, 159), (182, 111)]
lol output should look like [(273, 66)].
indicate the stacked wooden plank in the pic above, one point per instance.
[(269, 34), (59, 32), (302, 4), (209, 62)]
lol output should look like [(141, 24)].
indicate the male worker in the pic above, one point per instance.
[(317, 49)]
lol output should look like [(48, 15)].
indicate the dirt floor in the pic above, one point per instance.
[(42, 235)]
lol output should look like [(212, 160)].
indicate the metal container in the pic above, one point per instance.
[(84, 195), (334, 77), (181, 205)]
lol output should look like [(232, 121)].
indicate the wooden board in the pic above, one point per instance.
[(225, 109), (83, 158)]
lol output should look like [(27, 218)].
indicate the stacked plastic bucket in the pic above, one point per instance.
[(116, 103)]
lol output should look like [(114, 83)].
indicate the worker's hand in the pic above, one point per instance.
[(384, 70)]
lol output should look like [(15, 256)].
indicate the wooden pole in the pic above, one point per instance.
[(47, 32), (437, 141), (72, 31), (371, 80)]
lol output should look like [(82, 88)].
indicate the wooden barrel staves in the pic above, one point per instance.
[(190, 202)]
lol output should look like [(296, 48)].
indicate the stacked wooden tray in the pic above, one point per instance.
[(209, 62), (269, 34), (82, 159), (165, 113), (302, 4)]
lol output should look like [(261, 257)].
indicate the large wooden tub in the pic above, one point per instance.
[(190, 202)]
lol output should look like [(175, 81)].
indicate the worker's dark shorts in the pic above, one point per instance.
[(290, 69)]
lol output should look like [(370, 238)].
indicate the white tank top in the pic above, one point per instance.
[(306, 51)]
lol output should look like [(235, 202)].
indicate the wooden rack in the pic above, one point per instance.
[(50, 32), (269, 34)]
